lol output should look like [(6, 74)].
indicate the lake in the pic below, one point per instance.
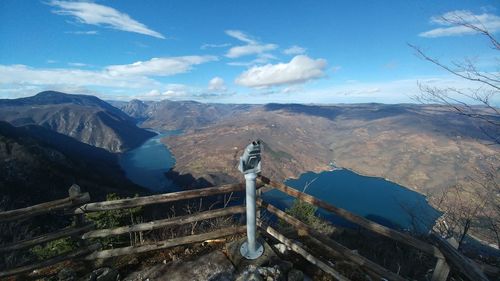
[(147, 164), (377, 199), (374, 198)]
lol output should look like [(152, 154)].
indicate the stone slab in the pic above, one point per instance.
[(214, 266), (233, 253)]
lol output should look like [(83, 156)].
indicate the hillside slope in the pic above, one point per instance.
[(179, 115), (422, 147), (40, 165), (85, 118)]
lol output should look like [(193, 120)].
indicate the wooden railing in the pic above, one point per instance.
[(75, 199), (175, 221), (77, 205), (445, 257)]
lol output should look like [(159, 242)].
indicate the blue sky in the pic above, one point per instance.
[(237, 51)]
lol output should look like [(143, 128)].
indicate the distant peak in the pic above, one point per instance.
[(50, 94)]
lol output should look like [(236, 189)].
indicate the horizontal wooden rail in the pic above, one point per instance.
[(330, 245), (57, 259), (44, 208), (458, 261), (166, 243), (69, 231), (159, 198), (165, 222), (301, 251), (375, 227)]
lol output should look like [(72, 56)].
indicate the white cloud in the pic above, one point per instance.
[(185, 92), (242, 36), (299, 70), (217, 84), (96, 14), (252, 46), (89, 32), (208, 46), (239, 51), (449, 21), (25, 75), (294, 50), (134, 76), (170, 91), (77, 64), (261, 59), (159, 66)]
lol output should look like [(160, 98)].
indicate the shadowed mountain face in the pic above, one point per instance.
[(40, 165), (85, 118)]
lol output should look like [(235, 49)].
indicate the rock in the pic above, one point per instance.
[(66, 274), (214, 266), (271, 273), (295, 275), (251, 273), (224, 276), (285, 266), (249, 276), (281, 248), (104, 274)]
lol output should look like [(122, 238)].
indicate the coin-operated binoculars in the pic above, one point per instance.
[(250, 167)]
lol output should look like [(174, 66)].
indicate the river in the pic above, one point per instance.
[(147, 164), (374, 198)]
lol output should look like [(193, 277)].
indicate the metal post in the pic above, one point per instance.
[(250, 166), (250, 198)]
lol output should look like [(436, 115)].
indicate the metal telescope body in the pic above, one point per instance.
[(250, 167)]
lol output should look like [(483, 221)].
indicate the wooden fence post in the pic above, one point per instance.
[(442, 269), (79, 219)]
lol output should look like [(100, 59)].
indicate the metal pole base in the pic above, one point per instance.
[(251, 256)]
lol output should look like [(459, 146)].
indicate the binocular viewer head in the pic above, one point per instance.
[(250, 160)]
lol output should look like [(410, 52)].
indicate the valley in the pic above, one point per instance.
[(412, 145)]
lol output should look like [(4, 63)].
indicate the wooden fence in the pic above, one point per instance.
[(75, 199), (445, 255), (77, 205)]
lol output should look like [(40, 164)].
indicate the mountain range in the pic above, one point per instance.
[(423, 147), (84, 118), (40, 165)]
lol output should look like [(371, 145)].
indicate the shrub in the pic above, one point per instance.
[(54, 248), (306, 213), (112, 219)]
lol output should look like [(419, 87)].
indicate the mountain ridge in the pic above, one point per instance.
[(85, 118)]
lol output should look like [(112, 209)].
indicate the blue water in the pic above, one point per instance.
[(147, 164), (374, 198)]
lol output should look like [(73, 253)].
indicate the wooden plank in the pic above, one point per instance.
[(57, 259), (69, 231), (301, 251), (166, 243), (459, 261), (159, 198), (330, 245), (441, 271), (367, 224), (44, 208), (165, 222)]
